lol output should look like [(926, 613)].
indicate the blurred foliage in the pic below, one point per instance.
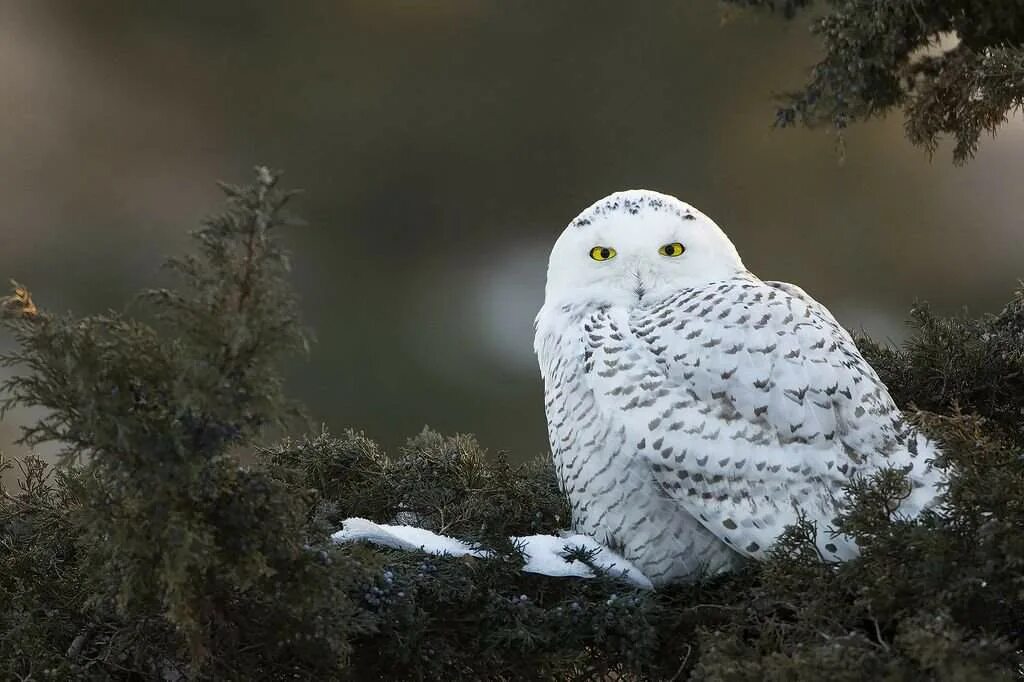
[(954, 68), (151, 553)]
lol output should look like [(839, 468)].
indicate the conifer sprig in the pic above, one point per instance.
[(955, 68)]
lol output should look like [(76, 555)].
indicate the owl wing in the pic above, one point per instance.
[(750, 404)]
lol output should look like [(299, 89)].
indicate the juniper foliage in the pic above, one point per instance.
[(168, 545), (955, 68), (150, 552)]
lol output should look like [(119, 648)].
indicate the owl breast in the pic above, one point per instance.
[(612, 492)]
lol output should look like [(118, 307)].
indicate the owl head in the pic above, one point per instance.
[(636, 246)]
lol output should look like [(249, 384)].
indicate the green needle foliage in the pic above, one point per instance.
[(163, 535), (151, 552), (954, 67)]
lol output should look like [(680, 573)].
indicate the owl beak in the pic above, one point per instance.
[(638, 279)]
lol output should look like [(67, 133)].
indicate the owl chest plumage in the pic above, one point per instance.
[(612, 492), (690, 431)]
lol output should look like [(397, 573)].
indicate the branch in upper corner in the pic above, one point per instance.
[(955, 69)]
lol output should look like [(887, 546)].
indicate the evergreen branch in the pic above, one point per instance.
[(953, 68)]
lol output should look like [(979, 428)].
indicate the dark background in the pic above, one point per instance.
[(443, 146)]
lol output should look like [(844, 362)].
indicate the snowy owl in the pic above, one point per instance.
[(694, 410)]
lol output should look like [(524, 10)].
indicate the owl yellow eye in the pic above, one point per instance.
[(672, 250), (602, 253)]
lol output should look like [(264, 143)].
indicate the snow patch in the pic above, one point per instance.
[(544, 554)]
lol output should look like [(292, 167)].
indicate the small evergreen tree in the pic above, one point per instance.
[(151, 553), (954, 67), (173, 546)]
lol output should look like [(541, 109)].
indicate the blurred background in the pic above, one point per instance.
[(443, 146)]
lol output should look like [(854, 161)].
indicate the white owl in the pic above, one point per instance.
[(694, 410)]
